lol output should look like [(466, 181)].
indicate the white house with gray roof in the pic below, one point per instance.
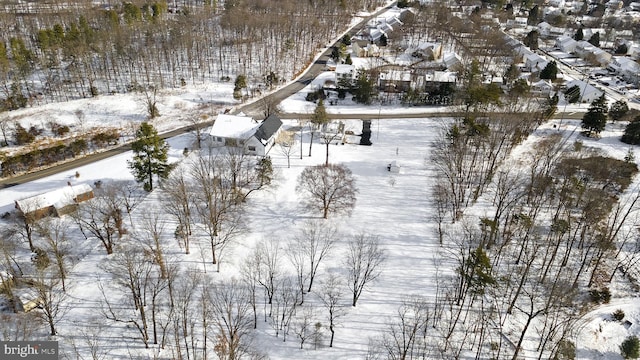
[(235, 131)]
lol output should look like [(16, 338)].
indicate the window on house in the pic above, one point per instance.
[(252, 148)]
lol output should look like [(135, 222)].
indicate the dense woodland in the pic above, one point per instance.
[(60, 51)]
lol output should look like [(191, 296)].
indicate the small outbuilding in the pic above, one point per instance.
[(54, 203)]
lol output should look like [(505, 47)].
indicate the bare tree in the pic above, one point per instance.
[(179, 203), (150, 96), (329, 135), (298, 259), (265, 266), (102, 217), (331, 297), (286, 302), (316, 239), (407, 333), (5, 127), (286, 143), (51, 299), (185, 308), (303, 324), (55, 235), (129, 193), (363, 260), (330, 189), (231, 312), (131, 272), (197, 124), (150, 237), (20, 326), (81, 119), (218, 211)]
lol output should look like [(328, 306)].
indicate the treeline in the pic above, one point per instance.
[(85, 50)]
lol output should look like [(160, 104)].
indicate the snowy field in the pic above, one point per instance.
[(391, 206)]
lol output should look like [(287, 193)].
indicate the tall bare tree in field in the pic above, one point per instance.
[(54, 233), (363, 261), (102, 218), (315, 242), (131, 272), (180, 192), (231, 313), (331, 295), (329, 189), (51, 299), (286, 143)]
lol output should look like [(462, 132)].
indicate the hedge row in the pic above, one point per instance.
[(24, 162)]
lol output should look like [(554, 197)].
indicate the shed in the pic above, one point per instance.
[(54, 203)]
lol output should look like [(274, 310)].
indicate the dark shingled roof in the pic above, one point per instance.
[(268, 127)]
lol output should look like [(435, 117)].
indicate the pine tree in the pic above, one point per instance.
[(630, 348), (531, 40), (149, 156), (595, 119), (579, 35), (595, 39), (632, 133), (618, 110), (550, 72), (363, 88)]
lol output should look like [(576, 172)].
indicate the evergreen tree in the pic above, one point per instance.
[(595, 119), (552, 106), (239, 84), (622, 49), (618, 110), (363, 88), (383, 40), (579, 35), (318, 119), (320, 116), (632, 132), (534, 14), (531, 40), (550, 72), (149, 156), (630, 348), (595, 39)]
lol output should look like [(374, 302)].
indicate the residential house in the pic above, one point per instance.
[(436, 79), (394, 80), (588, 93), (591, 53), (547, 30), (369, 50), (451, 61), (345, 72), (566, 44), (625, 67), (57, 202), (633, 50), (542, 87), (244, 132), (428, 50), (534, 62)]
